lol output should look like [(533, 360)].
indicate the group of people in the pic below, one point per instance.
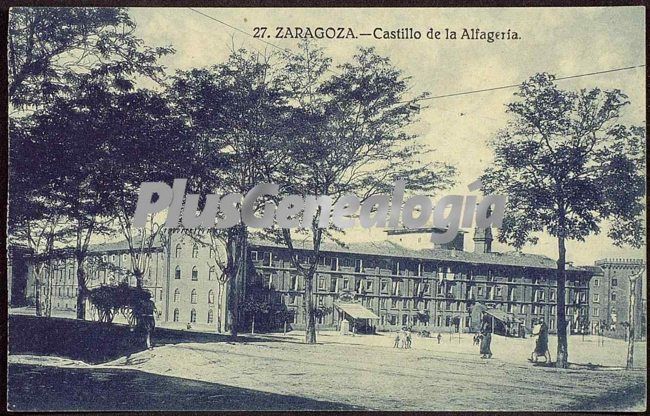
[(403, 339), (540, 330)]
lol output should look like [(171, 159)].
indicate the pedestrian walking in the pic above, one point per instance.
[(486, 332), (396, 345), (408, 339), (541, 344), (439, 337)]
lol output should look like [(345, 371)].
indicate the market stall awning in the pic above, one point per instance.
[(356, 310), (501, 315)]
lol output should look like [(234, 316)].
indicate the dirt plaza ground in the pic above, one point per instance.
[(364, 371)]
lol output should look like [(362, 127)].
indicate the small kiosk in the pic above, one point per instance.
[(356, 318)]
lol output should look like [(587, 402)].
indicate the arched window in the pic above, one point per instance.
[(212, 273), (193, 296), (211, 296), (177, 295), (176, 315), (210, 316), (193, 316), (195, 251), (177, 274), (179, 249), (195, 273)]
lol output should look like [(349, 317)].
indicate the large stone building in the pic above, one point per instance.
[(392, 280), (609, 301)]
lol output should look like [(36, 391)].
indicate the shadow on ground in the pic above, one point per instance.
[(44, 388), (95, 342)]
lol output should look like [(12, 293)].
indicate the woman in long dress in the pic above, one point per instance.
[(541, 344), (486, 331)]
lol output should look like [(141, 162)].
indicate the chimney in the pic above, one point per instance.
[(482, 240)]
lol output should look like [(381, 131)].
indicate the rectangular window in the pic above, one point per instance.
[(253, 255), (498, 291), (405, 304), (614, 282), (479, 290), (596, 297), (596, 282), (346, 284), (369, 286), (321, 282), (333, 284), (596, 311), (393, 303), (382, 303), (384, 286), (405, 319), (614, 296)]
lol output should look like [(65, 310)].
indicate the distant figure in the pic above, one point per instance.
[(189, 325), (402, 339), (486, 332), (408, 339), (541, 344), (477, 339), (396, 340), (439, 337)]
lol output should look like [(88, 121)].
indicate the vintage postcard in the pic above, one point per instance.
[(395, 209)]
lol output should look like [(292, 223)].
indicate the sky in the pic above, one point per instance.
[(561, 41)]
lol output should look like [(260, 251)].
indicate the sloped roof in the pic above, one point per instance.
[(391, 249)]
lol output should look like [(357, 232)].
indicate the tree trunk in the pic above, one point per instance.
[(220, 328), (310, 329), (81, 289), (48, 291), (562, 344), (632, 323), (138, 279), (37, 294)]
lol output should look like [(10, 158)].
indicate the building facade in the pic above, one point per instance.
[(427, 288), (610, 297)]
